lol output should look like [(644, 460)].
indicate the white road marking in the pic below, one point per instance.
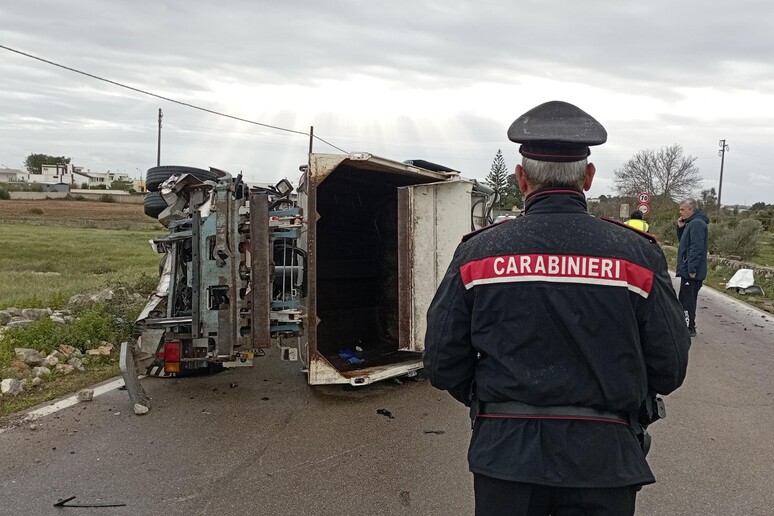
[(68, 402)]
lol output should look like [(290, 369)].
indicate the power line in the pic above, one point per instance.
[(168, 99)]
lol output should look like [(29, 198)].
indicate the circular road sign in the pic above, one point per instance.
[(644, 197), (644, 208)]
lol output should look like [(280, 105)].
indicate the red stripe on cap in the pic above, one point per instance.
[(595, 270)]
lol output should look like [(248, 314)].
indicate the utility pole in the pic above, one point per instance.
[(158, 147), (722, 154)]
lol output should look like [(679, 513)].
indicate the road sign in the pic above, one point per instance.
[(644, 197), (644, 208)]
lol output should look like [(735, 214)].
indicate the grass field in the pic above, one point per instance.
[(51, 250)]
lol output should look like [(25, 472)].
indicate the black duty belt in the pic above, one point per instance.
[(519, 410)]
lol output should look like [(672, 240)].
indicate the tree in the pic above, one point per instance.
[(512, 194), (498, 174), (709, 199), (33, 162), (122, 185), (665, 172)]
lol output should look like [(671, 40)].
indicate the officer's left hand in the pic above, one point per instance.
[(692, 275)]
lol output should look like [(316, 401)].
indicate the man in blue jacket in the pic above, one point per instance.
[(691, 258), (554, 328)]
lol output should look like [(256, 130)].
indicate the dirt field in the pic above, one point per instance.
[(88, 214)]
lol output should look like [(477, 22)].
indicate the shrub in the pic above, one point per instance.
[(739, 239), (106, 198), (4, 195), (665, 231), (110, 321)]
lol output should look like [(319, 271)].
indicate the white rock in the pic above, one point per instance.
[(10, 387), (37, 372), (35, 313), (140, 409), (51, 361), (57, 319), (19, 322), (37, 381), (85, 395)]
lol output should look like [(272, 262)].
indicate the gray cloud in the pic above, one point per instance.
[(657, 50)]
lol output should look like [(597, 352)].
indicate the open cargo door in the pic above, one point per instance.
[(378, 237), (432, 219)]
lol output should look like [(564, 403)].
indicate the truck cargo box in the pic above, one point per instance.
[(379, 236)]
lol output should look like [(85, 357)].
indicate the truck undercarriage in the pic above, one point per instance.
[(338, 274)]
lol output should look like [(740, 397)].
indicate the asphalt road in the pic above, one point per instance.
[(260, 441)]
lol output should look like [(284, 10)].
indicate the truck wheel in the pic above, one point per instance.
[(154, 204), (157, 175)]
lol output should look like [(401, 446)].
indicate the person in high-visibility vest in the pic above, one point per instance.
[(636, 221)]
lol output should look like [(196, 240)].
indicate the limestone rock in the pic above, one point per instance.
[(37, 372), (65, 368), (140, 409), (76, 362), (10, 387), (85, 395), (29, 356), (35, 313), (5, 317), (19, 322), (66, 349), (36, 381)]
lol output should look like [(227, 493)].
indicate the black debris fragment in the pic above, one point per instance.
[(436, 432), (386, 413), (63, 503)]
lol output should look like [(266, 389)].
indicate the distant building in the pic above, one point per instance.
[(10, 175), (57, 174), (75, 177)]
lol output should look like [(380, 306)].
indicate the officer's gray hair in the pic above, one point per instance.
[(691, 204), (548, 173)]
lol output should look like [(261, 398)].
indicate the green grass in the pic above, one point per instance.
[(765, 254), (42, 266)]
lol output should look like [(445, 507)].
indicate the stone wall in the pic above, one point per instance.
[(91, 195)]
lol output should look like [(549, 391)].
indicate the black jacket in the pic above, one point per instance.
[(692, 250), (557, 308)]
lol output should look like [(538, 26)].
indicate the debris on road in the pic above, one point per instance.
[(64, 503), (386, 413), (85, 395)]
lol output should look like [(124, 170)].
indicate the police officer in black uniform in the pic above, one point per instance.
[(555, 328)]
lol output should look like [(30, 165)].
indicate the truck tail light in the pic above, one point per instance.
[(172, 357)]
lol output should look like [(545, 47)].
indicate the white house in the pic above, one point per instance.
[(54, 174), (9, 175), (75, 176)]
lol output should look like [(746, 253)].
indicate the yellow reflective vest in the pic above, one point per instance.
[(639, 224)]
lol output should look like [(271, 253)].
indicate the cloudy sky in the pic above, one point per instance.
[(419, 79)]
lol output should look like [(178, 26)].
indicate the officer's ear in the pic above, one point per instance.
[(521, 179), (590, 171)]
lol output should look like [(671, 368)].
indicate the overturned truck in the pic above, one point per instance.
[(338, 274)]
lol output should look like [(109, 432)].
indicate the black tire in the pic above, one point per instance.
[(157, 175), (154, 204)]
